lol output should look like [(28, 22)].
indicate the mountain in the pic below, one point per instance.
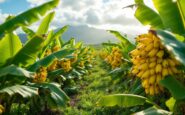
[(88, 35)]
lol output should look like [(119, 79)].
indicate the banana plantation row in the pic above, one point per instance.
[(40, 73)]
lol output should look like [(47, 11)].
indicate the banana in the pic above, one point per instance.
[(160, 54), (156, 44), (135, 71), (152, 79), (158, 78), (145, 40), (153, 52), (165, 72), (152, 71), (152, 59), (152, 64), (152, 91), (145, 83), (149, 47), (144, 66), (140, 73), (158, 68), (134, 52), (145, 74), (147, 90), (165, 63), (159, 60)]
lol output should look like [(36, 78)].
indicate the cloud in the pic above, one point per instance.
[(1, 1), (3, 16), (104, 14)]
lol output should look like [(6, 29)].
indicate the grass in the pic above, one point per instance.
[(92, 88)]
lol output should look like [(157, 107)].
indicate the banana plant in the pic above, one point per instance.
[(20, 62)]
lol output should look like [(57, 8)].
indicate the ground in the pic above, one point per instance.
[(93, 86)]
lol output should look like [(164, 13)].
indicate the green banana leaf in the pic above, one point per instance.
[(28, 54), (170, 15), (176, 89), (181, 4), (49, 59), (170, 103), (56, 96), (10, 44), (43, 28), (51, 37), (23, 90), (153, 111), (30, 33), (28, 17), (122, 100), (126, 44), (173, 45), (16, 71), (147, 16)]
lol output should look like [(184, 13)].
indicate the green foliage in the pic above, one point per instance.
[(15, 71), (127, 46), (173, 45), (176, 89), (56, 97), (28, 54), (170, 103), (123, 100), (153, 111), (10, 44), (50, 58), (24, 91), (171, 18), (28, 17), (43, 28), (147, 16), (180, 4)]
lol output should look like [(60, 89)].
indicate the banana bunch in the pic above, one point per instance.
[(56, 48), (1, 109), (48, 52), (103, 54), (53, 66), (41, 75), (65, 64), (115, 58), (152, 62)]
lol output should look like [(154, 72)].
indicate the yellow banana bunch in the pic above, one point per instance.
[(48, 52), (56, 48), (1, 109), (65, 64), (115, 58), (41, 75), (53, 66), (152, 62)]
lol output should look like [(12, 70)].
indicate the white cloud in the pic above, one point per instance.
[(1, 1), (3, 16), (104, 14)]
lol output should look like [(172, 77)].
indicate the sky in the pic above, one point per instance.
[(101, 14)]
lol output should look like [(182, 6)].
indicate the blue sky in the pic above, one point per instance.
[(14, 6)]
